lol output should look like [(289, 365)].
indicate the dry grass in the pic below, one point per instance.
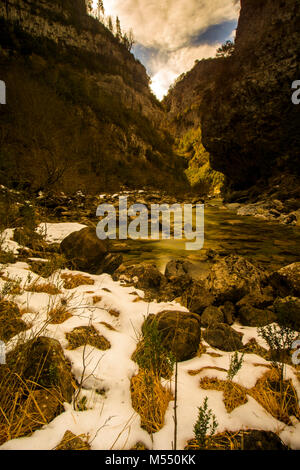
[(233, 394), (45, 288), (280, 400), (150, 400), (14, 286), (71, 281), (201, 350), (72, 442), (110, 327), (198, 371), (222, 441), (114, 312), (87, 335), (214, 354), (59, 315), (11, 323), (23, 407)]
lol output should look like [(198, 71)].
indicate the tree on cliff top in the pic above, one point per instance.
[(226, 50)]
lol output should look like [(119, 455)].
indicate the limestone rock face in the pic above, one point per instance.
[(249, 121), (242, 103), (66, 72)]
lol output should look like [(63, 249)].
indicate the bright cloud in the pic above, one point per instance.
[(173, 29)]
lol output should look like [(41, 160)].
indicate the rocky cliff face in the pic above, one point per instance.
[(243, 103), (249, 124), (79, 113), (184, 108)]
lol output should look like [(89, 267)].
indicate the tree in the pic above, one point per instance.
[(131, 40), (110, 24), (89, 6), (226, 50), (118, 29), (100, 10)]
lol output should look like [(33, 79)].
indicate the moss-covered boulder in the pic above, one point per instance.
[(180, 331), (42, 361)]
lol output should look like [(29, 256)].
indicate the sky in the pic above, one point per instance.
[(171, 34)]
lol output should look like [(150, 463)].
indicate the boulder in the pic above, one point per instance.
[(176, 268), (212, 315), (197, 297), (143, 276), (286, 281), (288, 311), (251, 316), (42, 360), (84, 250), (262, 440), (223, 337), (261, 299), (174, 288), (112, 262), (232, 278), (181, 332), (229, 312)]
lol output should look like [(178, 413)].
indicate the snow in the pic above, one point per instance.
[(110, 421), (56, 232), (7, 244)]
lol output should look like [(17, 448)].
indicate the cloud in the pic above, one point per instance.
[(165, 68), (172, 34)]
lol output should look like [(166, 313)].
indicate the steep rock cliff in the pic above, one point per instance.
[(79, 112), (183, 105), (250, 125), (242, 103)]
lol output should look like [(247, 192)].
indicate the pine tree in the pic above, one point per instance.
[(89, 6), (131, 40), (100, 10), (110, 24), (118, 29)]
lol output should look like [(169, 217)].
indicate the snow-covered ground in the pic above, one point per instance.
[(110, 421)]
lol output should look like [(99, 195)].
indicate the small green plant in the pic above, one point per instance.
[(151, 353), (280, 339), (205, 426), (82, 404), (236, 363)]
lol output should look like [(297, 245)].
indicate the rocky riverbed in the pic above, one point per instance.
[(85, 306)]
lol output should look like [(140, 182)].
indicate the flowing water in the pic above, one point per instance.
[(267, 244)]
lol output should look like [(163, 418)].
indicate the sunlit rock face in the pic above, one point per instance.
[(249, 123)]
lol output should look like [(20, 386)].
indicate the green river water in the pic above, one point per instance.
[(270, 245)]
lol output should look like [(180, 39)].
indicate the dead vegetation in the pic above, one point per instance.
[(150, 400), (45, 288), (72, 442), (279, 398), (83, 335), (59, 314), (71, 281)]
